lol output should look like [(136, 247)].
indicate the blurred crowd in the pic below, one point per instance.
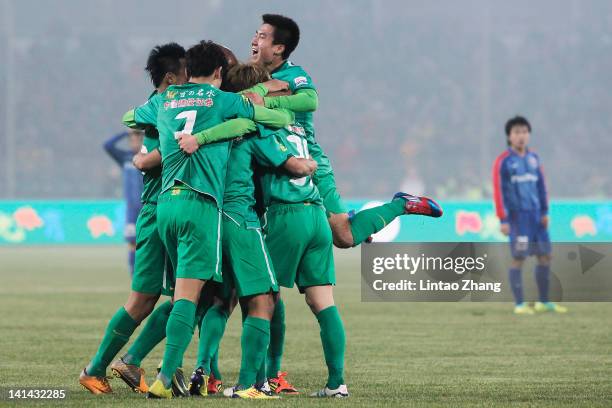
[(410, 98)]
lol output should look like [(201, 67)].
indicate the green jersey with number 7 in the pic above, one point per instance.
[(191, 108)]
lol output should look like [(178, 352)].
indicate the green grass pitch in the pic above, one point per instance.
[(55, 303)]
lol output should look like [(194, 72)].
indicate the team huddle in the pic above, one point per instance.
[(239, 199)]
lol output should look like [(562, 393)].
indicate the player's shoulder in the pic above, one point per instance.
[(293, 67), (293, 71), (184, 90), (230, 97), (502, 157), (533, 153), (533, 159)]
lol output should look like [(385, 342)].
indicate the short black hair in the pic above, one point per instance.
[(286, 32), (516, 121), (163, 59), (204, 57)]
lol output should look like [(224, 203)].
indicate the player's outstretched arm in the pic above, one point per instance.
[(147, 161), (224, 131), (304, 100), (275, 118), (230, 129), (300, 167), (264, 88)]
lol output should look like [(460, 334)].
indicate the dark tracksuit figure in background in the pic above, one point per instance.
[(132, 184)]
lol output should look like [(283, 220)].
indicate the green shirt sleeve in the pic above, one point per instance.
[(226, 130), (276, 118), (258, 89), (144, 115), (269, 152), (128, 119), (305, 100)]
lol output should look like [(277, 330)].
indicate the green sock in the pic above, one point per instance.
[(254, 340), (151, 335), (370, 221), (179, 332), (261, 373), (118, 332), (214, 366), (277, 340), (211, 332), (333, 340)]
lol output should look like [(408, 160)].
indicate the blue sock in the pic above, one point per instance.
[(542, 272), (131, 256), (516, 284)]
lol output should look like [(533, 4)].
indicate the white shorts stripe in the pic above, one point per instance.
[(218, 242), (263, 249)]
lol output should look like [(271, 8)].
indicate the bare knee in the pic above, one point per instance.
[(227, 304), (140, 305), (261, 306), (341, 230), (517, 263), (319, 297), (188, 289)]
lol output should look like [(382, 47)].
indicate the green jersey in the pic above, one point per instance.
[(247, 152), (191, 108), (151, 179), (298, 79), (276, 185)]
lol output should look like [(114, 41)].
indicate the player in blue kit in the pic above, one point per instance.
[(521, 203), (132, 184)]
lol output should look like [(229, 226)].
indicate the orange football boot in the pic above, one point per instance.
[(280, 385), (95, 385)]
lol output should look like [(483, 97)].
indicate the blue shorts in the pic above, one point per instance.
[(527, 235)]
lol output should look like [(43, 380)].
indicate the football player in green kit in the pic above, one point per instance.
[(273, 43), (246, 263), (189, 206), (166, 66)]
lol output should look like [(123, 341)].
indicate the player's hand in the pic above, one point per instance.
[(188, 143), (255, 98), (276, 85), (505, 228), (544, 221), (137, 161), (312, 165)]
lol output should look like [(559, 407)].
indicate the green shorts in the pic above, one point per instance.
[(246, 262), (300, 244), (152, 269), (189, 225), (325, 181)]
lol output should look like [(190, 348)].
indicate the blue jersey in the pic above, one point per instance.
[(132, 177), (518, 184)]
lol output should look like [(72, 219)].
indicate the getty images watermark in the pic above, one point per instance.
[(449, 272)]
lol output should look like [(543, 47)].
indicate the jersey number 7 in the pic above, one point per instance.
[(190, 118)]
